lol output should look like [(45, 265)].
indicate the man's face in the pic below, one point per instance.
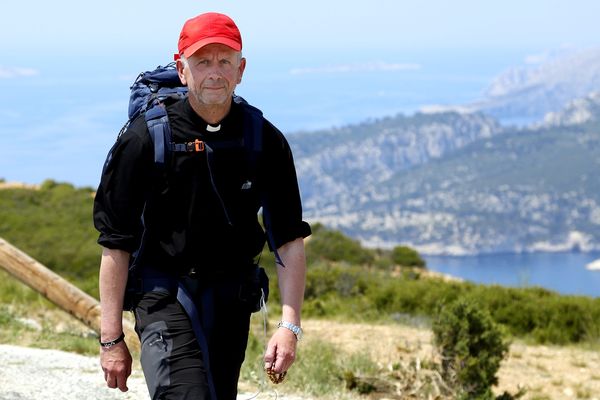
[(212, 73)]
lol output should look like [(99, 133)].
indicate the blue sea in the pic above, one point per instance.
[(564, 273)]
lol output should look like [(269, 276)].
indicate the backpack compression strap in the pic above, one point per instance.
[(253, 129)]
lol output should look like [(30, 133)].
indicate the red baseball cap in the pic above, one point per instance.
[(208, 28)]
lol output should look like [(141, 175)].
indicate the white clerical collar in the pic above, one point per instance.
[(211, 128)]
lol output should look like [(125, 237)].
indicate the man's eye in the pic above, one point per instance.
[(225, 62)]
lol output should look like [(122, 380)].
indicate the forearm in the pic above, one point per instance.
[(292, 280), (112, 281)]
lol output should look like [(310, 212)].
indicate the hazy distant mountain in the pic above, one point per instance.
[(457, 183), (338, 167), (530, 92), (578, 111)]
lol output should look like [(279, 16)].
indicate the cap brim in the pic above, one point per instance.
[(201, 43)]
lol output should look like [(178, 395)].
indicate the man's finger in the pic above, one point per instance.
[(123, 385), (269, 356), (111, 381), (279, 365)]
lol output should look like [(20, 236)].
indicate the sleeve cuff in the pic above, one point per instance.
[(114, 242), (302, 230)]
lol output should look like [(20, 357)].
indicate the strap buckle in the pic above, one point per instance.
[(195, 146)]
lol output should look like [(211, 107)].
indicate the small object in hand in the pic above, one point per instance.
[(275, 378)]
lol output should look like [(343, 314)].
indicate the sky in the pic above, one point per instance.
[(69, 27), (66, 66)]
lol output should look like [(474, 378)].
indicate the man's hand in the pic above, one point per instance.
[(115, 360), (116, 364), (281, 351)]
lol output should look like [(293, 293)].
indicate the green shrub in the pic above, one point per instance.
[(54, 226), (331, 245), (563, 321), (406, 256), (540, 314), (472, 346)]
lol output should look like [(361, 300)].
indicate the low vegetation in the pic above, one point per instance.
[(54, 226), (345, 282), (471, 347)]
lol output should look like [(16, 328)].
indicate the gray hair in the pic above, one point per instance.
[(184, 59)]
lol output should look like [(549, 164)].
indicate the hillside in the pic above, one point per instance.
[(338, 167), (358, 303), (53, 223), (458, 183)]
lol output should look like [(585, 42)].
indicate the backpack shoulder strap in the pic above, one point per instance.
[(253, 142), (253, 119), (159, 128), (253, 133)]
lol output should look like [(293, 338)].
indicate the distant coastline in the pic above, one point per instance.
[(575, 242), (18, 185)]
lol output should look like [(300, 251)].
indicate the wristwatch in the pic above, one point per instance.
[(294, 328)]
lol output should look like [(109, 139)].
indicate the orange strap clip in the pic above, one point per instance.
[(199, 145)]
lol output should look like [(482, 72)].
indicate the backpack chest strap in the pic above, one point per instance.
[(196, 146)]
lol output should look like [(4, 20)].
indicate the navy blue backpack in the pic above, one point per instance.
[(151, 92)]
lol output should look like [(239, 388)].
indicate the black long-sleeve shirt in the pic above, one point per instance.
[(188, 223)]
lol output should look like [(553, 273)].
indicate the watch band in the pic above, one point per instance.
[(296, 330)]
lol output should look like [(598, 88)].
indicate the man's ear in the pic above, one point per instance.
[(242, 67), (180, 67)]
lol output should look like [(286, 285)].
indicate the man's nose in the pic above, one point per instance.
[(215, 71)]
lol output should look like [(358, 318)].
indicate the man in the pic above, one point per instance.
[(196, 223)]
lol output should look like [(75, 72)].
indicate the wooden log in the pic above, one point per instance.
[(58, 290)]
